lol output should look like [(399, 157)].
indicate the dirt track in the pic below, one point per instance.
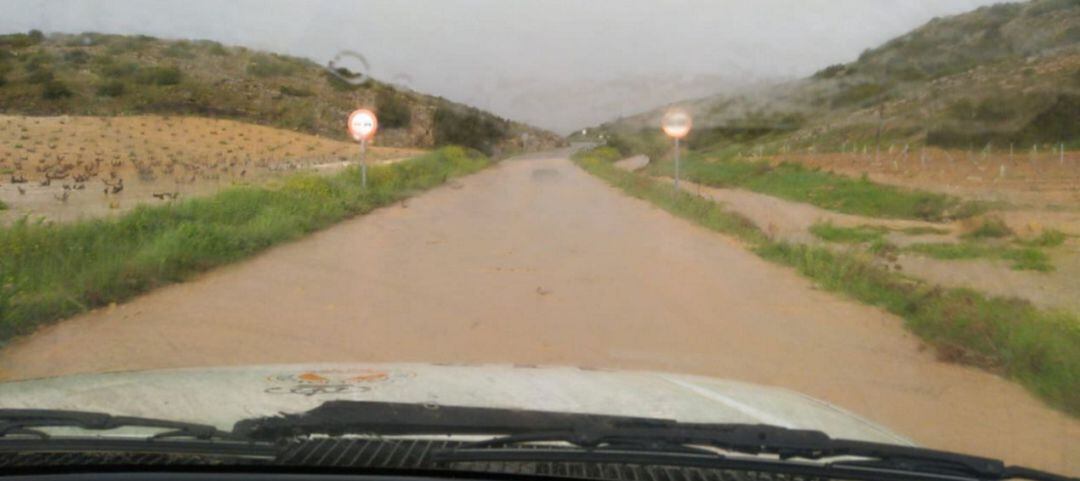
[(534, 261)]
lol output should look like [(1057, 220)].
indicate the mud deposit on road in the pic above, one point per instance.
[(534, 261)]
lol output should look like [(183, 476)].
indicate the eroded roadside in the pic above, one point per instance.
[(790, 221)]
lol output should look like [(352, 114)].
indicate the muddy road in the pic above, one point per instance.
[(535, 261)]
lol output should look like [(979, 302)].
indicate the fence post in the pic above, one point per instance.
[(1032, 159)]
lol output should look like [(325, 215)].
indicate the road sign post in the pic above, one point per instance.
[(676, 124), (362, 126)]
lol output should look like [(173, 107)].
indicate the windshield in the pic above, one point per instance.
[(854, 217)]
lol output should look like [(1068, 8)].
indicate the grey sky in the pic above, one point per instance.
[(560, 64)]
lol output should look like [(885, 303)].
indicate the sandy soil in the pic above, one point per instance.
[(535, 261), (150, 155), (791, 221)]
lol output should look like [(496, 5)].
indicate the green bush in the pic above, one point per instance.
[(990, 228), (54, 90), (468, 127), (215, 48), (160, 76), (22, 40), (76, 57), (392, 110), (832, 71), (295, 91), (270, 66), (112, 88), (40, 76), (859, 95), (1049, 238), (179, 49), (109, 68)]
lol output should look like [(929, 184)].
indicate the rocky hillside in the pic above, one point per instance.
[(97, 74), (1003, 74)]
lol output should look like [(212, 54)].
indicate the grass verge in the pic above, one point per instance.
[(1023, 258), (51, 271), (797, 183), (1038, 348), (848, 235)]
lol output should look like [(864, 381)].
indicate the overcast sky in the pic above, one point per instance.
[(561, 64)]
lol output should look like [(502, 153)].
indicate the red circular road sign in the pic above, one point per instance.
[(676, 123), (363, 124)]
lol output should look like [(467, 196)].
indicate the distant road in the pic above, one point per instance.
[(535, 261)]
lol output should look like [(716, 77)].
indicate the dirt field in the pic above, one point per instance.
[(534, 261), (1039, 178), (66, 167)]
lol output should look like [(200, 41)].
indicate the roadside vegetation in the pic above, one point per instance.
[(848, 235), (985, 242), (108, 75), (51, 271), (830, 191), (1038, 348), (1022, 258)]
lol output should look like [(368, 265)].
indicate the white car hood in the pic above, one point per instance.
[(223, 396)]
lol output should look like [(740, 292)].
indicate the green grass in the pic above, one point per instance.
[(848, 235), (682, 204), (920, 230), (990, 228), (51, 271), (797, 183), (1038, 348), (1049, 238), (1023, 258)]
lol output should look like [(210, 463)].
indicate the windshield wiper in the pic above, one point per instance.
[(30, 421), (598, 433)]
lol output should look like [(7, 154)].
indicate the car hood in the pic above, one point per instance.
[(225, 395)]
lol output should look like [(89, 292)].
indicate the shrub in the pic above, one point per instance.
[(160, 76), (112, 88), (40, 77), (54, 90), (859, 94), (468, 128), (215, 48), (1049, 238), (113, 69), (22, 40), (76, 57), (295, 91), (393, 111), (831, 71), (270, 66), (990, 228), (179, 49)]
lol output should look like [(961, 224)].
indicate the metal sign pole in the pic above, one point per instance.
[(363, 164), (676, 163)]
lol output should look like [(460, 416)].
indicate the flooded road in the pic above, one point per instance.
[(534, 261)]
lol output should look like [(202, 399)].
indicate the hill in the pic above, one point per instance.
[(1003, 74), (108, 75)]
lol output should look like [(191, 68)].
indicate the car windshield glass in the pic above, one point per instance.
[(857, 218)]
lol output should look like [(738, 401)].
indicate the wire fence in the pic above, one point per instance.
[(1043, 166)]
